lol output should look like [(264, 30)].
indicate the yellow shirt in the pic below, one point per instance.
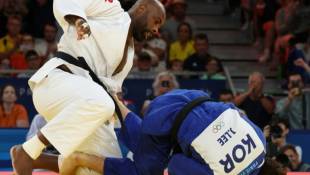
[(6, 44), (177, 52)]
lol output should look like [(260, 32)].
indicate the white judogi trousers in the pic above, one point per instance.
[(76, 109)]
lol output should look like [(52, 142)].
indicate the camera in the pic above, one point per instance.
[(295, 84), (276, 131), (296, 88), (165, 84)]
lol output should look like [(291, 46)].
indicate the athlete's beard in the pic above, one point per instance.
[(140, 35), (140, 28)]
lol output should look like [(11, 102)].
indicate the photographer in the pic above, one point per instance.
[(276, 134), (163, 83), (295, 107)]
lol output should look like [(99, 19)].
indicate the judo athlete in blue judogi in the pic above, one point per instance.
[(210, 138)]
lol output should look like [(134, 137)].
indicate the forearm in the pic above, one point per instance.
[(124, 110), (90, 161), (240, 98), (77, 8)]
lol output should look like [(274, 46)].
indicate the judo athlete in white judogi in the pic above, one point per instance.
[(75, 106), (214, 138)]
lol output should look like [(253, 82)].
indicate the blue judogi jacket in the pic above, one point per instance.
[(213, 149)]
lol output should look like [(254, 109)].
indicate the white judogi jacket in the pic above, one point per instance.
[(103, 50)]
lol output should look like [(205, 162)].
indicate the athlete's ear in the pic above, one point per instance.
[(141, 9)]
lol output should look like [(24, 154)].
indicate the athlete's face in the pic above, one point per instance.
[(148, 22)]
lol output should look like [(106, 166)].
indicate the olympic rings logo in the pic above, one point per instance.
[(217, 127)]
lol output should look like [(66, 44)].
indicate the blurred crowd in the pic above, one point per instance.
[(281, 31)]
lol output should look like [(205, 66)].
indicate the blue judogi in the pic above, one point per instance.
[(215, 137)]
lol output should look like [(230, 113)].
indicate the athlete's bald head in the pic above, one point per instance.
[(156, 4), (147, 17)]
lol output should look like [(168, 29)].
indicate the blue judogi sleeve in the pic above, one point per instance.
[(179, 164), (131, 134), (150, 155)]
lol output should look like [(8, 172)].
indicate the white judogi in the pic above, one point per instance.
[(74, 105)]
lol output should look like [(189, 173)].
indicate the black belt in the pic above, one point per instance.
[(80, 62), (181, 116)]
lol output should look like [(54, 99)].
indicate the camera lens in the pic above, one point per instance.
[(165, 84), (276, 131)]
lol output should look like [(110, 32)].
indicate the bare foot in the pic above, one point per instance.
[(68, 166), (22, 163)]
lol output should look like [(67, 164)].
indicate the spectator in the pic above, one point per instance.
[(305, 66), (47, 46), (10, 42), (264, 16), (305, 47), (142, 47), (285, 163), (292, 21), (8, 8), (226, 96), (18, 58), (184, 46), (178, 16), (272, 167), (247, 7), (5, 64), (214, 70), (144, 62), (276, 135), (159, 47), (296, 61), (297, 165), (11, 113), (163, 82), (40, 13), (33, 63), (176, 65), (198, 60), (291, 107), (258, 107)]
